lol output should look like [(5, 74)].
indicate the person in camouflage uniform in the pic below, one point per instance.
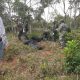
[(54, 33), (20, 29), (63, 29)]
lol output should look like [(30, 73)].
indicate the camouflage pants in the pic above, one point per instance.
[(62, 40)]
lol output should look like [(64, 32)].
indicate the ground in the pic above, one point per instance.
[(21, 62)]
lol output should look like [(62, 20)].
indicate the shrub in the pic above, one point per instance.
[(11, 51), (15, 49), (74, 35), (72, 56), (50, 68), (69, 36)]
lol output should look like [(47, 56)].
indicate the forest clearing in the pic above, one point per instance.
[(39, 39)]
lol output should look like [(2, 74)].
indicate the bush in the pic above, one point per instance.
[(15, 49), (69, 36), (11, 51), (74, 35), (72, 56)]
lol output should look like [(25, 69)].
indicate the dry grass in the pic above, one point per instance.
[(21, 62)]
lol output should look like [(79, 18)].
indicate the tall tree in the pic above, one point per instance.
[(75, 6)]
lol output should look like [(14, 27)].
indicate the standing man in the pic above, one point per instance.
[(54, 33), (55, 26), (63, 29), (20, 29), (3, 38), (25, 30)]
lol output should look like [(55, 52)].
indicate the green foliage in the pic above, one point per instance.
[(68, 19), (44, 67), (69, 36), (35, 34), (58, 17), (20, 8), (72, 56), (73, 35), (50, 68), (15, 48)]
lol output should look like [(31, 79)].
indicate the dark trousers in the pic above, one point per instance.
[(1, 50), (20, 34)]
